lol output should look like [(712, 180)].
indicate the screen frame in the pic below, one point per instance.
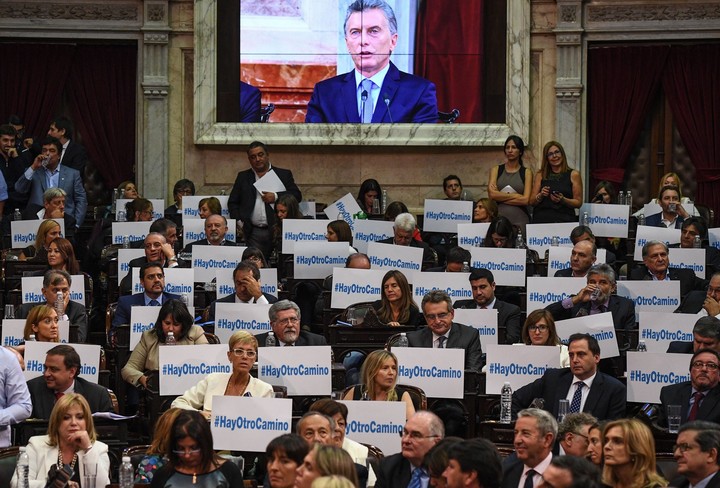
[(207, 130)]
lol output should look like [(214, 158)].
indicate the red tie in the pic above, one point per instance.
[(58, 395), (695, 406)]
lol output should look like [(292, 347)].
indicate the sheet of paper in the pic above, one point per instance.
[(270, 182)]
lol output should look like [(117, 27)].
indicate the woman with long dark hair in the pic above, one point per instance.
[(510, 183)]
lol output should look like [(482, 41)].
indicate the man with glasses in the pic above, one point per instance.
[(421, 432), (704, 302), (697, 452), (285, 324), (573, 433), (699, 398)]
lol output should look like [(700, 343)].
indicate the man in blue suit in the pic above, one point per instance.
[(249, 103), (376, 90), (47, 172), (152, 277)]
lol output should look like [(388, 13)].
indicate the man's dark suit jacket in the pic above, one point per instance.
[(428, 254), (403, 98), (683, 482), (655, 220), (622, 309), (249, 103), (606, 399), (75, 157), (43, 398), (693, 302), (393, 472), (126, 283), (241, 202), (686, 277), (509, 315), (204, 242), (127, 302), (304, 339), (512, 472), (75, 311), (231, 299), (679, 394), (681, 347), (461, 337)]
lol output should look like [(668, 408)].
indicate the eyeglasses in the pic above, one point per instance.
[(189, 452), (439, 316), (554, 153), (581, 435), (536, 328), (289, 320), (244, 353), (701, 365), (683, 447), (416, 436)]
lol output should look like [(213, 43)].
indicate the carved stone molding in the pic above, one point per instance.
[(155, 13), (155, 92), (69, 11), (653, 13), (155, 37), (568, 39), (568, 92), (568, 13)]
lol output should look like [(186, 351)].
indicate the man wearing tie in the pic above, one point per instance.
[(535, 433), (152, 278), (285, 324)]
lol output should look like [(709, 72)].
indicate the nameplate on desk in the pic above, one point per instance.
[(24, 232), (659, 329), (472, 235), (134, 231), (142, 318), (124, 258), (693, 259), (157, 203), (225, 283), (343, 209), (304, 370), (654, 296), (207, 259), (295, 231), (13, 332), (507, 265), (35, 353), (259, 421), (317, 260), (445, 215), (485, 321), (250, 317), (538, 237), (559, 258), (518, 364), (191, 204), (32, 289), (390, 256), (351, 286), (456, 285), (648, 372), (645, 233), (600, 326), (439, 372), (542, 291), (607, 220), (182, 367), (367, 231), (377, 423), (178, 281), (194, 230)]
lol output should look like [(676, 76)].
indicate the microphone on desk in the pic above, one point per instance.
[(386, 99)]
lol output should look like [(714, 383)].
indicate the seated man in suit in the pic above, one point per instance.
[(694, 232), (376, 90), (535, 433), (421, 432), (706, 335), (215, 230), (455, 259), (442, 332), (473, 463), (158, 250), (596, 297), (703, 302), (152, 278), (249, 103), (53, 207), (482, 283), (655, 268), (62, 367), (582, 257), (672, 214), (403, 230), (697, 466), (54, 281), (570, 471), (699, 398), (587, 389), (246, 277), (573, 433), (285, 324)]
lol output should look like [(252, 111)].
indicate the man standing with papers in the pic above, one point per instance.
[(254, 206)]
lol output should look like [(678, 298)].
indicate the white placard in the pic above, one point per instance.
[(714, 237), (134, 231), (32, 289), (308, 208), (456, 285), (559, 258), (439, 372), (158, 207), (124, 258), (445, 215), (541, 291), (367, 231), (182, 367), (507, 265), (24, 232), (600, 326), (191, 204), (35, 353), (390, 256), (142, 318), (194, 230), (343, 209), (485, 321), (302, 230), (317, 260), (13, 332), (225, 283), (659, 329), (303, 370), (693, 259), (648, 372), (518, 364), (352, 286), (376, 423), (539, 236), (472, 235), (231, 317), (645, 233), (654, 296), (178, 281), (206, 260), (607, 220), (259, 421)]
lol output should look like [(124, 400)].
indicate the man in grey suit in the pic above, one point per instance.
[(285, 323), (442, 332), (47, 172), (535, 433)]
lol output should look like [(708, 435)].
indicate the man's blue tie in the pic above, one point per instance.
[(367, 101), (577, 397), (416, 479)]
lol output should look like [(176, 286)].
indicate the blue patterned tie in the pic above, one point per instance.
[(154, 303), (441, 342), (367, 104), (416, 479), (577, 397)]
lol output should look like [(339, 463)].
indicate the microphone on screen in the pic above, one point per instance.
[(386, 99)]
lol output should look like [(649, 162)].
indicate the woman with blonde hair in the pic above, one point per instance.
[(629, 451), (48, 231), (155, 454), (325, 461), (209, 206), (557, 188), (333, 481), (396, 306), (485, 210), (42, 322)]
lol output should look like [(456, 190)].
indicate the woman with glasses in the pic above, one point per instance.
[(629, 450), (500, 233), (539, 330), (242, 355), (557, 188), (139, 210), (182, 188)]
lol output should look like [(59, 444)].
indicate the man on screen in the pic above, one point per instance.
[(249, 103), (375, 91)]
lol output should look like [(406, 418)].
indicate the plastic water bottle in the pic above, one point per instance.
[(127, 473), (628, 200), (506, 403), (113, 206), (519, 241), (641, 346), (585, 219), (23, 468), (17, 215), (60, 305), (170, 339), (621, 198), (126, 242), (121, 215), (641, 219), (384, 201), (270, 340), (697, 242), (555, 241), (465, 267), (402, 341)]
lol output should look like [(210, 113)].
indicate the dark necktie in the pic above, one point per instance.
[(441, 342), (58, 395), (577, 397), (529, 481), (154, 303), (695, 406)]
